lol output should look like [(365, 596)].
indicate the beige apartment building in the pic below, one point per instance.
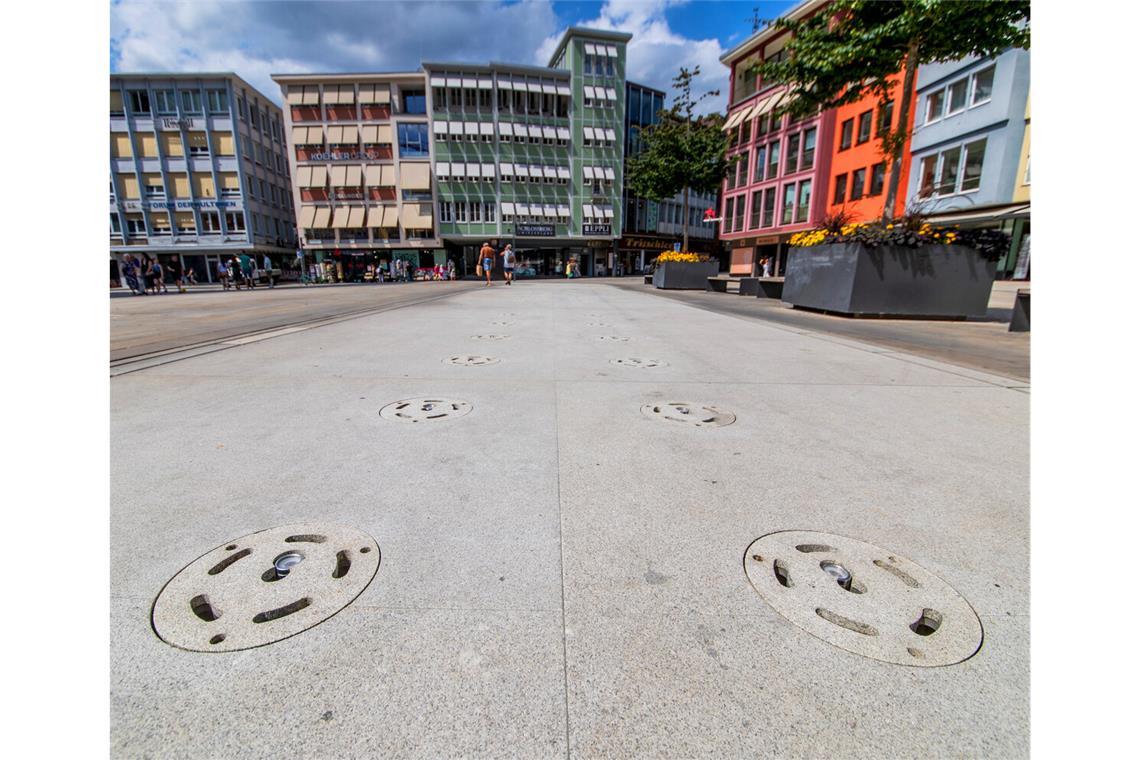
[(198, 172), (360, 155)]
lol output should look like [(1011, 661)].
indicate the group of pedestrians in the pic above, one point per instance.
[(241, 270), (487, 262), (146, 276), (402, 270)]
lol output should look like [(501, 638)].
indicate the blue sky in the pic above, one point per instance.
[(257, 38)]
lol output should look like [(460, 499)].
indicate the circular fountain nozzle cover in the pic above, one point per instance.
[(697, 415), (264, 587), (425, 409), (863, 598)]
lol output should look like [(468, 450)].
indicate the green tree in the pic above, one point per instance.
[(858, 46), (682, 152)]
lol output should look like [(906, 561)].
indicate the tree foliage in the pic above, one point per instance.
[(682, 151), (856, 47)]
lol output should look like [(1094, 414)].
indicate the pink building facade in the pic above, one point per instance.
[(778, 183)]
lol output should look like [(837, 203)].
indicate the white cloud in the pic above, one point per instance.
[(257, 39)]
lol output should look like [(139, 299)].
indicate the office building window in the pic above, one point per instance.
[(972, 168), (934, 103), (758, 165), (164, 101), (792, 154), (773, 159), (886, 117), (140, 101), (729, 207), (413, 139), (251, 187), (446, 212), (846, 131), (191, 101), (216, 100), (878, 173), (840, 188), (769, 208), (858, 183), (948, 171), (957, 97), (746, 130), (414, 101), (116, 229), (754, 218), (804, 204), (210, 222), (983, 86), (807, 158), (135, 226), (789, 203), (738, 219), (864, 128), (742, 170)]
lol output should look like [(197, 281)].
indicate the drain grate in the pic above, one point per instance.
[(863, 598), (698, 415), (470, 360), (490, 337), (425, 409), (264, 587), (613, 338), (639, 363)]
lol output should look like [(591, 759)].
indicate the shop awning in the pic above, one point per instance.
[(439, 128), (312, 95), (536, 171), (591, 49), (391, 217), (588, 172), (611, 135), (508, 208), (340, 217), (304, 173), (548, 89), (611, 51), (355, 217), (295, 94), (308, 213), (507, 170), (438, 81), (416, 216), (535, 132), (470, 127), (735, 118), (484, 83), (321, 219), (376, 216), (549, 133), (455, 127), (520, 130), (489, 170), (334, 133), (563, 133), (372, 175), (474, 171), (352, 176), (609, 173), (564, 211), (989, 214), (486, 128), (588, 133), (384, 134), (337, 175), (549, 172), (564, 172), (505, 129), (442, 169), (415, 176), (611, 94), (588, 92), (533, 87), (458, 170), (550, 212), (563, 89), (470, 82), (387, 175)]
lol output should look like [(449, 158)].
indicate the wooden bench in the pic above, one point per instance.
[(1019, 322)]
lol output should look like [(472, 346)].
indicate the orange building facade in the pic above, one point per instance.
[(859, 171)]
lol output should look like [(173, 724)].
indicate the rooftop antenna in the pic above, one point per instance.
[(755, 19)]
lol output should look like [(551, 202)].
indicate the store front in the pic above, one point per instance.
[(534, 258), (747, 255)]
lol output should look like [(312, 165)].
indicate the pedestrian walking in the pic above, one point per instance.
[(766, 263), (235, 272), (508, 255), (486, 260), (268, 265), (223, 272), (131, 274), (451, 269), (246, 269), (158, 277)]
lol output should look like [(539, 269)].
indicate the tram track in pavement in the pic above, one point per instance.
[(123, 365)]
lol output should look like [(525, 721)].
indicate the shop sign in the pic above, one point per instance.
[(184, 123), (597, 229), (649, 244), (345, 155), (167, 205), (754, 241), (348, 194), (597, 244), (534, 230)]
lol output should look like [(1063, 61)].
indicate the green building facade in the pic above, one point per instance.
[(532, 155)]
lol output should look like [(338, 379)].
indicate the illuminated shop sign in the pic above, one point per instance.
[(534, 230), (597, 229), (345, 155), (167, 205)]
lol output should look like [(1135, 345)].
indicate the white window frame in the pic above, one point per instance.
[(136, 227), (967, 83), (972, 90), (959, 177)]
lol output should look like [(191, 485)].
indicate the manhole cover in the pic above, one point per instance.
[(425, 409), (264, 587), (615, 338), (863, 598), (470, 360), (639, 363), (490, 337), (699, 415)]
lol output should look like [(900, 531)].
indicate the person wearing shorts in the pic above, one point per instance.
[(487, 258), (508, 255)]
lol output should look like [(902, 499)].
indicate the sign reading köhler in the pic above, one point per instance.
[(534, 230), (345, 155), (163, 205), (596, 229)]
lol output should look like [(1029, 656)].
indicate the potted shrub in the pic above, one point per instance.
[(903, 268), (684, 270)]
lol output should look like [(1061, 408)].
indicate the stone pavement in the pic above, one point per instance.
[(561, 574)]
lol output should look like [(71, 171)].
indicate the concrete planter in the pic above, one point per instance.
[(944, 281), (676, 275)]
